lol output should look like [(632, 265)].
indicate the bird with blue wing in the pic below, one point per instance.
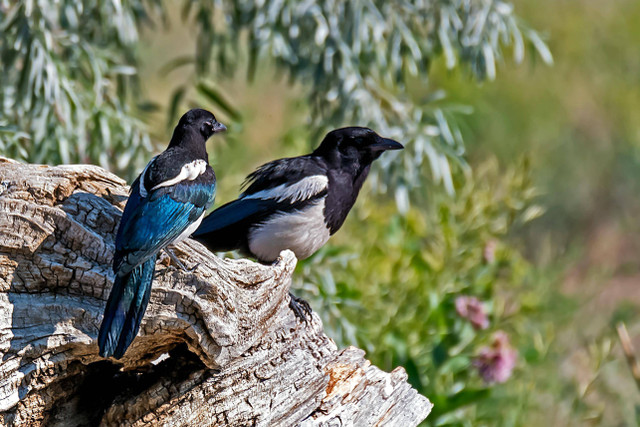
[(296, 203), (167, 203)]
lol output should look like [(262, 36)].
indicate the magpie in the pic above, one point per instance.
[(296, 203), (167, 203)]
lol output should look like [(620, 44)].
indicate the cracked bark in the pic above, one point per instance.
[(230, 351)]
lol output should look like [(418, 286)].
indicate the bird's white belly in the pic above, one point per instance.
[(304, 232)]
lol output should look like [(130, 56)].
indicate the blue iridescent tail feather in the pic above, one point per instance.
[(125, 308)]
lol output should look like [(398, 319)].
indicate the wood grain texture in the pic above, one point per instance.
[(229, 350)]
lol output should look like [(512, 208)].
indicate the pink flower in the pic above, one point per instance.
[(471, 309), (495, 363)]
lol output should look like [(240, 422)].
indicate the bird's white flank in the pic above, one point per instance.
[(293, 192), (304, 232), (189, 230), (189, 172)]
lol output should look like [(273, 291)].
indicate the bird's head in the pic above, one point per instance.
[(194, 128), (355, 144), (201, 121)]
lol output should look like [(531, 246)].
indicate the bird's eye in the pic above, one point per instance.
[(208, 124)]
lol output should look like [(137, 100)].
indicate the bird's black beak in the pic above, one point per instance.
[(384, 144), (218, 127)]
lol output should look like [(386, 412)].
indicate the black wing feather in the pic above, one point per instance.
[(282, 171)]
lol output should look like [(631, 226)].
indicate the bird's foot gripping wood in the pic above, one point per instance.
[(179, 263), (300, 307)]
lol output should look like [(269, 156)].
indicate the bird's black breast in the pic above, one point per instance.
[(342, 193)]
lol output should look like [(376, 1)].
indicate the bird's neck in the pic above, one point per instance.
[(192, 142), (359, 169), (359, 179)]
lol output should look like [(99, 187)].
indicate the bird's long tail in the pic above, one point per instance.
[(126, 306)]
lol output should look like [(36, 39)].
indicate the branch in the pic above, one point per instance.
[(217, 346)]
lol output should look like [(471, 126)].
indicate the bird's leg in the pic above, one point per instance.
[(175, 259), (300, 307), (177, 262)]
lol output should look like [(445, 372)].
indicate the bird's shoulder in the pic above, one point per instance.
[(174, 166), (286, 172), (171, 164)]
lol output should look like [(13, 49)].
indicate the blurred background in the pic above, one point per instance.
[(492, 258)]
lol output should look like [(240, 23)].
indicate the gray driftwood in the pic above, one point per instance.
[(218, 346)]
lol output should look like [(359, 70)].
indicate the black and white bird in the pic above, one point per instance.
[(296, 203), (167, 203)]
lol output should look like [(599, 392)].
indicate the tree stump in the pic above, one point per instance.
[(217, 346)]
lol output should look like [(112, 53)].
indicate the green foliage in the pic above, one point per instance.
[(68, 95), (68, 81), (367, 62), (578, 123), (396, 298)]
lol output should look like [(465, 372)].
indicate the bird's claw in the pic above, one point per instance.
[(158, 273), (300, 307), (179, 263)]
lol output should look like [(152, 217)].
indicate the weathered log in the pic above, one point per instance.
[(229, 350)]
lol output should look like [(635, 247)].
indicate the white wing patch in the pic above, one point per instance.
[(189, 172), (301, 190)]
